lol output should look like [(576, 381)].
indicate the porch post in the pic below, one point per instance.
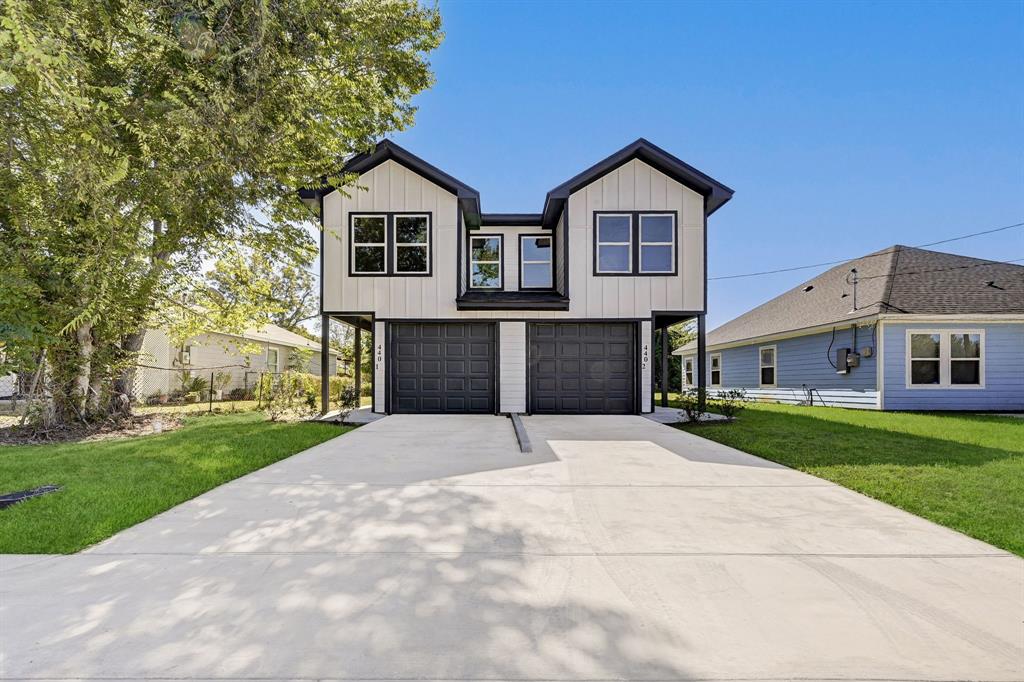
[(325, 364), (701, 361), (357, 357), (664, 366)]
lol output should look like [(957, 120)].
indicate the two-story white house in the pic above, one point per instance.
[(550, 312)]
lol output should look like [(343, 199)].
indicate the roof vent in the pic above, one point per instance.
[(808, 288), (992, 283)]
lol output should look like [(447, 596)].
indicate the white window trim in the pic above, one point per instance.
[(774, 366), (688, 360), (353, 243), (711, 373), (944, 360), (276, 367), (500, 261), (523, 262), (640, 237), (396, 245), (598, 244)]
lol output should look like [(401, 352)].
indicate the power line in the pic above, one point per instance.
[(952, 267), (884, 253)]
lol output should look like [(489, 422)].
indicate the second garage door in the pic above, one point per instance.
[(582, 368), (442, 367)]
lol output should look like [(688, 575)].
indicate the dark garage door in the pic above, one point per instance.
[(442, 367), (585, 368)]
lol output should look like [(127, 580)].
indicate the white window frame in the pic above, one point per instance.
[(712, 370), (598, 244), (642, 244), (353, 243), (688, 360), (523, 262), (500, 261), (276, 367), (945, 360), (775, 366), (396, 244)]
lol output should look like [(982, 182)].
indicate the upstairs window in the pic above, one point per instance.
[(636, 243), (945, 359), (766, 356), (485, 261), (389, 244), (535, 270), (716, 369)]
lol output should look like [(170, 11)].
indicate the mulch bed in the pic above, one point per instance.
[(131, 427)]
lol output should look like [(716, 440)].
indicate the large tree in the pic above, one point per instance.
[(140, 135)]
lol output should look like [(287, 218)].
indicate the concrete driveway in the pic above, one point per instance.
[(430, 548)]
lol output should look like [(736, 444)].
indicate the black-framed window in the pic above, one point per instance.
[(389, 244), (536, 264), (636, 243), (485, 261)]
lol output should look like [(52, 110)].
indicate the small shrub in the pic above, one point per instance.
[(691, 401), (348, 400), (730, 403), (239, 394)]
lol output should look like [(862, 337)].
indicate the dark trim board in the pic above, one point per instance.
[(635, 244), (511, 220)]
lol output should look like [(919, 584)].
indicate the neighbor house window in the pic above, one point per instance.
[(766, 356), (716, 369), (535, 270), (272, 359), (485, 261), (369, 244), (945, 359), (614, 243), (412, 244), (688, 371), (657, 243), (391, 244)]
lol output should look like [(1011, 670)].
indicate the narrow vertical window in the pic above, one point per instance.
[(716, 369), (535, 262), (688, 371), (614, 243), (925, 359), (369, 244), (657, 243), (485, 262), (767, 365), (272, 360), (412, 244)]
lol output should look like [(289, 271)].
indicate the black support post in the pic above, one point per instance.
[(357, 356), (702, 362), (325, 364), (664, 366)]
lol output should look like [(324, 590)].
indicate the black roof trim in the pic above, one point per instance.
[(512, 219), (715, 192)]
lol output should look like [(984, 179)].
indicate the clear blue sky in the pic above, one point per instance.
[(843, 128)]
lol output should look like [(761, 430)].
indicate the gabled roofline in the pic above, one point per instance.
[(861, 321), (715, 192)]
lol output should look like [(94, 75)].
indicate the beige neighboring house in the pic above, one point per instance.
[(242, 356)]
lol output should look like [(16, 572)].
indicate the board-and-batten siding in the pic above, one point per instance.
[(1003, 353), (512, 367), (803, 371), (633, 186)]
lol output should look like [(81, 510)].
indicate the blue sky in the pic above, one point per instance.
[(843, 128)]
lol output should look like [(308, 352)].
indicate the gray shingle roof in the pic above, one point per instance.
[(895, 280)]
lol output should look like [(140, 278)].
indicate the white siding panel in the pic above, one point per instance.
[(512, 366), (379, 363), (646, 367)]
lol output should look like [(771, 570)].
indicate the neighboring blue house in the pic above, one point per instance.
[(899, 329)]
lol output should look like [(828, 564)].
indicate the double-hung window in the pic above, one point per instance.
[(535, 270), (389, 244), (766, 358), (716, 369), (635, 243), (273, 360), (688, 371), (945, 359), (485, 261)]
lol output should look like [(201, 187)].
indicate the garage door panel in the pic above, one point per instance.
[(593, 371), (443, 367)]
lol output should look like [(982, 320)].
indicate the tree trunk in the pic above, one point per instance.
[(85, 349)]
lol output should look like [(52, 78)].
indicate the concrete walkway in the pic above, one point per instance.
[(431, 548)]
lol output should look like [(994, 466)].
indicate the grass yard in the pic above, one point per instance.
[(962, 471), (111, 485)]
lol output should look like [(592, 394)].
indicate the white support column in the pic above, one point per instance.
[(646, 366), (379, 359), (512, 366)]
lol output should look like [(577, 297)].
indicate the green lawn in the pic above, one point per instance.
[(114, 484), (963, 471)]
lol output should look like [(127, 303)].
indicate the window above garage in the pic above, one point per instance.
[(635, 243), (389, 244)]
